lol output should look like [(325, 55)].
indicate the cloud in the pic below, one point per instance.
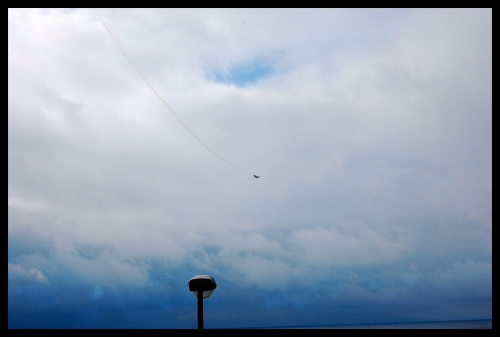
[(370, 128), (327, 247), (33, 274)]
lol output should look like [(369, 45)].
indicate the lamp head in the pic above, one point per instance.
[(204, 283)]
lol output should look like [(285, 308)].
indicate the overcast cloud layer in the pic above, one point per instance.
[(371, 130)]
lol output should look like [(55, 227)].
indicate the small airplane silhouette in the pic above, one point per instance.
[(256, 176)]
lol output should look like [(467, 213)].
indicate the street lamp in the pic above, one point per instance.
[(202, 286)]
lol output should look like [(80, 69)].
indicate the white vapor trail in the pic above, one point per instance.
[(110, 33)]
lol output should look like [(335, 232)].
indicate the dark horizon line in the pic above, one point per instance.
[(355, 324)]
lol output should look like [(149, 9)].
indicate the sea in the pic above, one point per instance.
[(466, 324)]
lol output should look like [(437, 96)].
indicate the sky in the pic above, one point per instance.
[(134, 135)]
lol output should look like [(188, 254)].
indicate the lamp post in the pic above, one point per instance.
[(202, 286)]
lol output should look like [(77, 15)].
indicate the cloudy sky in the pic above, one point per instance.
[(371, 130)]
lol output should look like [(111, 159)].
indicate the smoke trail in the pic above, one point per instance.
[(110, 33)]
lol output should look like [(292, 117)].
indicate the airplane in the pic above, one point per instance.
[(256, 176)]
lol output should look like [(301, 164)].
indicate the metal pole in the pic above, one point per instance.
[(200, 310)]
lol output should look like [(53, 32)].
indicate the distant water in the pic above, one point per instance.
[(476, 324)]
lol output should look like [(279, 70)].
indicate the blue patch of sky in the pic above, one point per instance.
[(244, 74)]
